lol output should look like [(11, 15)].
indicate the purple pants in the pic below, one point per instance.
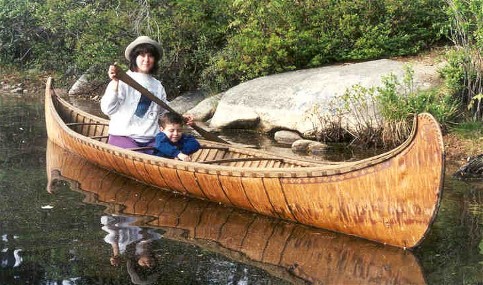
[(128, 142)]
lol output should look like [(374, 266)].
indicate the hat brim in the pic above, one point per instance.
[(141, 40)]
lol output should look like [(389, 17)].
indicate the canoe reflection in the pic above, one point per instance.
[(291, 251)]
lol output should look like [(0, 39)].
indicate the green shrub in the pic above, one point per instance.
[(191, 33), (464, 72), (275, 36), (18, 33), (399, 100), (382, 114)]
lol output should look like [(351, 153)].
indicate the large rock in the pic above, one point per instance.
[(88, 84), (186, 101), (287, 100), (286, 137), (206, 108), (241, 117)]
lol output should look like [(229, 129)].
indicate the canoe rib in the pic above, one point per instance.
[(391, 198)]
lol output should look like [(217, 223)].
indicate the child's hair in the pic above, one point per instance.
[(140, 49), (170, 118)]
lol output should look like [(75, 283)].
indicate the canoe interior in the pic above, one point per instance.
[(96, 128)]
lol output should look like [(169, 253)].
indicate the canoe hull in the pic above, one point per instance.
[(392, 199)]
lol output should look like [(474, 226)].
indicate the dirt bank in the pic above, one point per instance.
[(459, 149)]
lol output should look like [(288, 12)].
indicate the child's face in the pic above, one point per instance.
[(173, 132), (145, 62)]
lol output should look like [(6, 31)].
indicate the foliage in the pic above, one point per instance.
[(19, 29), (452, 72), (328, 127), (214, 43), (85, 33), (360, 102), (191, 32), (275, 36), (464, 72), (398, 100)]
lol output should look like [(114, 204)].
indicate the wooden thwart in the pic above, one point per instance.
[(86, 124), (141, 148), (240, 159), (99, 137), (202, 147), (215, 147)]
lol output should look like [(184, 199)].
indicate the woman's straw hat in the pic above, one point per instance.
[(141, 40)]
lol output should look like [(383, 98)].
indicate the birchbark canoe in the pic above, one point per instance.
[(391, 198), (290, 251)]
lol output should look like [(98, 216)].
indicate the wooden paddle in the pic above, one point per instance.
[(123, 76)]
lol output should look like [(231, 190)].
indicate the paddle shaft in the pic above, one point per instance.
[(123, 76)]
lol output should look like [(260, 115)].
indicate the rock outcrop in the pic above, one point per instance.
[(287, 100), (472, 170)]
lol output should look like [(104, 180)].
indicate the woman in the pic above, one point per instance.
[(133, 117)]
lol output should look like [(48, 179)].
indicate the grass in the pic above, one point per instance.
[(468, 130)]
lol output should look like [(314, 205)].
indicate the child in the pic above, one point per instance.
[(171, 142)]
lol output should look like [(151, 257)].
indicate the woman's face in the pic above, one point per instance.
[(145, 62)]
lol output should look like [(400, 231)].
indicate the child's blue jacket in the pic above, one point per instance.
[(165, 148)]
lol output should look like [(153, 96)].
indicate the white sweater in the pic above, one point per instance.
[(121, 105)]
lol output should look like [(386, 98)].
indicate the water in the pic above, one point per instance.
[(61, 217)]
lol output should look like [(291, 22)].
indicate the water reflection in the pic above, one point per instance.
[(10, 255), (292, 252), (134, 242)]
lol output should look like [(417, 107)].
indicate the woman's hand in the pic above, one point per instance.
[(112, 73)]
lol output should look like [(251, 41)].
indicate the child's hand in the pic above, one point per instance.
[(189, 119), (184, 157)]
